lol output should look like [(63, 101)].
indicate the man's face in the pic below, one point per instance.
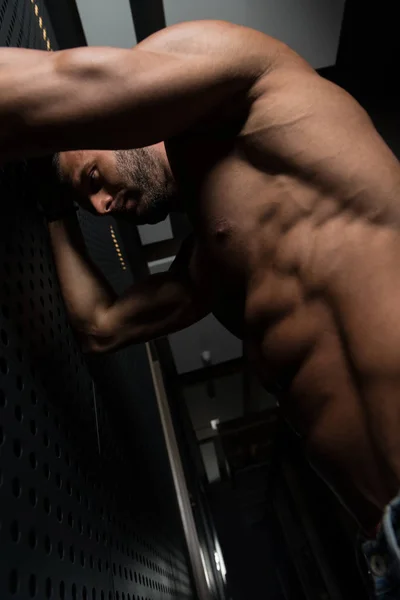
[(131, 184)]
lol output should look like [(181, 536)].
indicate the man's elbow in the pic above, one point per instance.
[(96, 338), (107, 334), (95, 344)]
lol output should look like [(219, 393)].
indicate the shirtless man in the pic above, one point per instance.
[(294, 201)]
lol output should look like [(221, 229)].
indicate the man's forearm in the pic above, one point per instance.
[(158, 305), (87, 294)]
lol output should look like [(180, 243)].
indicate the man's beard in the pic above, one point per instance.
[(140, 170)]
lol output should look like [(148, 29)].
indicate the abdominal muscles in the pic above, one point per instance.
[(299, 341)]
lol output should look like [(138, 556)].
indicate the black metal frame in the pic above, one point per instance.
[(148, 17), (67, 25)]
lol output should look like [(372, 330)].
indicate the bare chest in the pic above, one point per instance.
[(217, 190), (244, 220)]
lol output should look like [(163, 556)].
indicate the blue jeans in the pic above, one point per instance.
[(383, 554)]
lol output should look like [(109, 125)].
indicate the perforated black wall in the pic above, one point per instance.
[(87, 504)]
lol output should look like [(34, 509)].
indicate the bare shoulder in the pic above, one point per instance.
[(315, 130), (240, 48)]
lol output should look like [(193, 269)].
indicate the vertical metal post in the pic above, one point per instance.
[(185, 508)]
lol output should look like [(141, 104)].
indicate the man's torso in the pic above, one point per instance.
[(293, 203)]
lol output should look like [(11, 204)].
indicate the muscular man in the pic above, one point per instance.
[(294, 201)]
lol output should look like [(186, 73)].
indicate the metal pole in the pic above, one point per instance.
[(189, 527)]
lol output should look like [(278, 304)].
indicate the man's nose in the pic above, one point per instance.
[(101, 202)]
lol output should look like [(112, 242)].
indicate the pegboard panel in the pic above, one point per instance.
[(87, 505), (25, 23), (155, 562)]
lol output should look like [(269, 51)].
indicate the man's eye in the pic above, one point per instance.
[(94, 181)]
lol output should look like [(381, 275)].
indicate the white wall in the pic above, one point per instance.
[(208, 335), (149, 234), (210, 461), (107, 22), (311, 27)]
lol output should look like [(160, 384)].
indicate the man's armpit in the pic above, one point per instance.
[(182, 262)]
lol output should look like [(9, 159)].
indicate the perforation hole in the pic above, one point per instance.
[(47, 505), (13, 582), (16, 487), (47, 545), (3, 365), (32, 539), (19, 383), (15, 532), (49, 588), (46, 471), (4, 337), (60, 550), (32, 586), (17, 447), (18, 413), (33, 461)]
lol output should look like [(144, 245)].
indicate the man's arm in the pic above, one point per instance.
[(113, 98), (156, 306)]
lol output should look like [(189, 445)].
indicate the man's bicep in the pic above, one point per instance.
[(113, 98), (159, 305)]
